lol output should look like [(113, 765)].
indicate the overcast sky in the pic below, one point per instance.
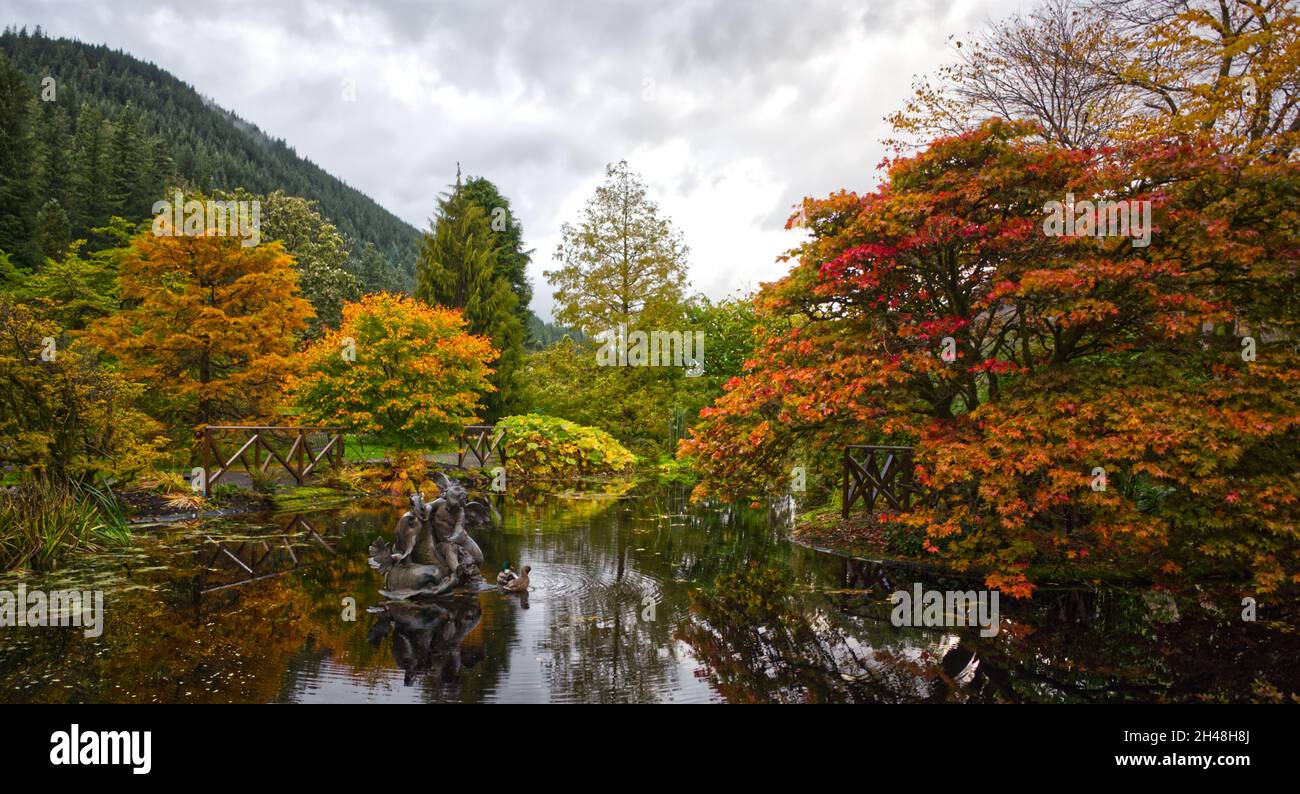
[(732, 110)]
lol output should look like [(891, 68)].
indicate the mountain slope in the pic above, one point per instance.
[(211, 148)]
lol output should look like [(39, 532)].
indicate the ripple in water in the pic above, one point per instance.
[(559, 580)]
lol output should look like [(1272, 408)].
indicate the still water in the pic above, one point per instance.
[(636, 597)]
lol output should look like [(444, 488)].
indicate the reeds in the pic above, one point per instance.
[(41, 521)]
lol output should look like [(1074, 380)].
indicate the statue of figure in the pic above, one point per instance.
[(414, 535), (432, 551), (458, 550), (404, 578)]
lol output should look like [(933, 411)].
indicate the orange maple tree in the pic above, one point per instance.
[(1067, 354), (397, 368)]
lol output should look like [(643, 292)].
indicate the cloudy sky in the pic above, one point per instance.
[(732, 110)]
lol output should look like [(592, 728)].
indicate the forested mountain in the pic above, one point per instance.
[(144, 127)]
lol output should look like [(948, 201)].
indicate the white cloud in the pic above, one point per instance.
[(732, 111)]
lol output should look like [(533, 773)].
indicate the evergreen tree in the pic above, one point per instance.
[(374, 271), (512, 258), (89, 183), (54, 142), (17, 171), (181, 134), (458, 268), (128, 167), (53, 231)]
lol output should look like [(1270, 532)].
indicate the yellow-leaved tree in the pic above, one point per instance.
[(405, 372), (207, 324)]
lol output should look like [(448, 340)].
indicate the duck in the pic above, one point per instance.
[(506, 576), (519, 584)]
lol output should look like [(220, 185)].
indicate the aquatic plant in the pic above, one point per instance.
[(41, 520)]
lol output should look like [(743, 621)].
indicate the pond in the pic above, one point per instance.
[(636, 597)]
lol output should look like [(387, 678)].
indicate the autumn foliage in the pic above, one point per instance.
[(1072, 355), (208, 325), (396, 368)]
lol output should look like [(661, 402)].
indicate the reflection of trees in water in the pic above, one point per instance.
[(600, 645), (597, 644), (760, 644), (763, 639), (819, 631)]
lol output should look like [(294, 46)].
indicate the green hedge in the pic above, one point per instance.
[(547, 447)]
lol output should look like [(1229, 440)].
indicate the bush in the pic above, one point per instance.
[(547, 447), (63, 417)]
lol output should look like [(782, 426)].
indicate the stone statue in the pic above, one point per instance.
[(432, 551)]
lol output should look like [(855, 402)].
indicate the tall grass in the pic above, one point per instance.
[(41, 521)]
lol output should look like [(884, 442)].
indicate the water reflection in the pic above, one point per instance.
[(254, 559), (637, 596), (428, 639)]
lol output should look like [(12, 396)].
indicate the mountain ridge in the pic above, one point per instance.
[(212, 147)]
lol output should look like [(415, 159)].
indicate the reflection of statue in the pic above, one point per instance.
[(432, 551), (427, 636)]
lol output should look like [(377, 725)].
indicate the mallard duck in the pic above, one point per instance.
[(506, 576), (519, 584)]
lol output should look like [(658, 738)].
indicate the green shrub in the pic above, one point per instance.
[(227, 492), (262, 482), (547, 447)]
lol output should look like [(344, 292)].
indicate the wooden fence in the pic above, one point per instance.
[(877, 474), (300, 460), (481, 442)]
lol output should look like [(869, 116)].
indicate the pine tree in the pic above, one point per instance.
[(89, 184), (17, 171), (374, 271), (128, 167), (512, 258), (55, 143), (458, 268), (53, 231)]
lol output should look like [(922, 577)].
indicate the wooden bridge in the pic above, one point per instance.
[(878, 474), (299, 460), (480, 443)]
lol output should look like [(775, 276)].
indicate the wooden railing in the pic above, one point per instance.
[(875, 474), (481, 442), (299, 460)]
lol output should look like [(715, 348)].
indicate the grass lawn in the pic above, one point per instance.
[(357, 448)]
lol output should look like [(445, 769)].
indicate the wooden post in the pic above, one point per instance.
[(203, 442), (844, 505)]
